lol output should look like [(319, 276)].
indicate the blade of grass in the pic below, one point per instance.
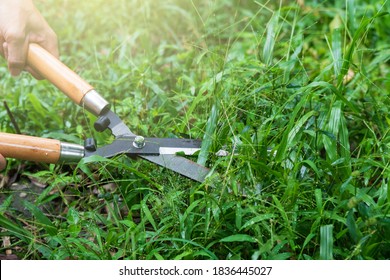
[(239, 238), (335, 91), (41, 218), (337, 53), (294, 131), (269, 44), (286, 220), (15, 229), (257, 219), (208, 136), (326, 242), (352, 227), (318, 196), (333, 127), (345, 149), (147, 213), (351, 15), (289, 133), (363, 27), (205, 250)]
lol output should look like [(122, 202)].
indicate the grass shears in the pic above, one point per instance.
[(166, 152)]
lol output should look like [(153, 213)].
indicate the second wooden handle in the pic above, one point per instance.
[(57, 73), (30, 148)]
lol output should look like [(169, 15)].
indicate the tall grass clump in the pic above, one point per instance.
[(293, 94)]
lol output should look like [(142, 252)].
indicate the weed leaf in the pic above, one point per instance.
[(257, 219), (239, 238), (15, 229), (326, 242), (41, 218), (208, 136)]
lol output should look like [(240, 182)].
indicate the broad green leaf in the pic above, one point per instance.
[(337, 53), (270, 40), (37, 105), (239, 238), (307, 240), (352, 227), (257, 219), (73, 216), (312, 165), (326, 242), (351, 15), (333, 127), (280, 256), (294, 131), (184, 255), (318, 196)]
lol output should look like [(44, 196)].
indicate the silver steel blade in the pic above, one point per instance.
[(180, 165), (117, 126), (173, 151), (153, 146), (166, 148)]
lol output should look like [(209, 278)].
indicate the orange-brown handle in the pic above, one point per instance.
[(30, 148), (57, 73)]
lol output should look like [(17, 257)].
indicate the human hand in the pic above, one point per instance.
[(3, 163), (22, 24)]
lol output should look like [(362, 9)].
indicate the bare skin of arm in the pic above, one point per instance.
[(21, 24)]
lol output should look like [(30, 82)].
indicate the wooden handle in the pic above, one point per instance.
[(57, 73), (30, 148)]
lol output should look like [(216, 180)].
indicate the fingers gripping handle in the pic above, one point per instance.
[(66, 80), (57, 73), (38, 149)]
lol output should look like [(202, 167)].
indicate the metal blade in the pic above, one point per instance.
[(160, 151), (153, 146), (180, 165), (114, 123), (175, 150)]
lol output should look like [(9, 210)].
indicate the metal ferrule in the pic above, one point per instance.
[(71, 152), (95, 103)]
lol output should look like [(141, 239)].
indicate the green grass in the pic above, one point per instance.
[(308, 172)]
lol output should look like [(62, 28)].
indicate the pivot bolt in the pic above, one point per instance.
[(139, 142)]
